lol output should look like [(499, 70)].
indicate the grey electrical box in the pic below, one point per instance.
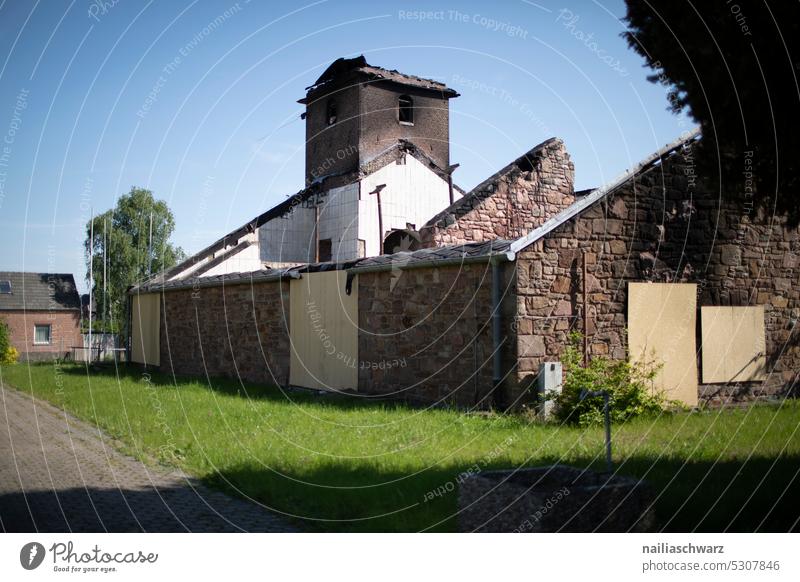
[(549, 382)]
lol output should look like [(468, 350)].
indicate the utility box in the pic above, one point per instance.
[(549, 381)]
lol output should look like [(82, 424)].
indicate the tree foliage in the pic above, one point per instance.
[(122, 238), (731, 67)]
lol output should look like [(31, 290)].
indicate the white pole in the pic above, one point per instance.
[(91, 280), (150, 248)]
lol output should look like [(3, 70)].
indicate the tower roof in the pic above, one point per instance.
[(358, 70)]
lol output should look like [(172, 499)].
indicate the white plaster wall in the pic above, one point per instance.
[(290, 238), (244, 261), (413, 194), (338, 221)]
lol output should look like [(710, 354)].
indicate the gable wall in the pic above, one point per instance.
[(510, 204), (662, 226)]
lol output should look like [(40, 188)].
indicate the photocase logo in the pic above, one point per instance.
[(31, 555)]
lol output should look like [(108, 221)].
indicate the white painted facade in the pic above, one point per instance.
[(413, 195), (348, 215)]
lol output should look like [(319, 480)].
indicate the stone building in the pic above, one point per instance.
[(485, 290), (42, 312)]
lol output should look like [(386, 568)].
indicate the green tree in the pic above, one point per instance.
[(732, 67), (122, 237)]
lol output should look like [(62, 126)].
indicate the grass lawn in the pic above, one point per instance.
[(346, 464)]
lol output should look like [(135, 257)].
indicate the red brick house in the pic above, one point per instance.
[(42, 311)]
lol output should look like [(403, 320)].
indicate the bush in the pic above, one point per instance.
[(630, 388), (8, 354)]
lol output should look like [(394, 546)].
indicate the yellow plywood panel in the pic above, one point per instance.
[(734, 345), (661, 327), (323, 327), (145, 329)]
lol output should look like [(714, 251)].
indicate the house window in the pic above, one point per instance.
[(405, 110), (325, 250), (330, 112), (5, 287), (41, 334)]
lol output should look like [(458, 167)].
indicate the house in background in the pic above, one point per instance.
[(43, 313)]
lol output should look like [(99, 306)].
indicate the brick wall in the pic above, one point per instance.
[(426, 334), (64, 333), (512, 202), (235, 331), (662, 226)]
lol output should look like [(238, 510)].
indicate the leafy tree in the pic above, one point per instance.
[(732, 67), (122, 237)]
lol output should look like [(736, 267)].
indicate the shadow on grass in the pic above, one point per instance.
[(761, 494)]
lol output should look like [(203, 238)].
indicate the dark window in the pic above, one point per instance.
[(330, 112), (5, 287), (325, 250), (406, 109)]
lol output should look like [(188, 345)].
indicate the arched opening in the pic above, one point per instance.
[(330, 112), (401, 240), (405, 110)]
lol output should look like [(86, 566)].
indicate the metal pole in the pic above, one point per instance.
[(607, 418), (91, 279), (150, 249)]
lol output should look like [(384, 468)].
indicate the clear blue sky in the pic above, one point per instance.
[(197, 101)]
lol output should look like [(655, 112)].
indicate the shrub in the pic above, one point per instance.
[(630, 388), (8, 354)]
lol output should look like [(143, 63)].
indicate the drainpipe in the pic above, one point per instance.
[(497, 329), (377, 192), (450, 171)]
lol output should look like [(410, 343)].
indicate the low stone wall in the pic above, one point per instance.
[(662, 226), (426, 334), (512, 202), (236, 331)]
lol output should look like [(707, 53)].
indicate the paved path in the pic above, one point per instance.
[(59, 474)]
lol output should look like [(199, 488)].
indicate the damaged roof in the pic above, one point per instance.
[(344, 69), (441, 256)]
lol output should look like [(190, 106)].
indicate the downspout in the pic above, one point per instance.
[(497, 329)]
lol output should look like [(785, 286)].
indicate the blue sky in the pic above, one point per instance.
[(197, 101)]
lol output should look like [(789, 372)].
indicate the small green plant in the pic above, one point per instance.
[(8, 353), (629, 385)]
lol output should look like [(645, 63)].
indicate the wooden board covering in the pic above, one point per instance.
[(661, 327), (323, 327), (145, 329), (734, 345)]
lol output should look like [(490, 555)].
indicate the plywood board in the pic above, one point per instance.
[(323, 327), (145, 329), (734, 345), (661, 327)]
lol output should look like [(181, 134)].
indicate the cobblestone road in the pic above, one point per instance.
[(59, 474)]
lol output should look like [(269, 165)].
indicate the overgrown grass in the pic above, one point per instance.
[(347, 464)]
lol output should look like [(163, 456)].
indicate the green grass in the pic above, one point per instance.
[(346, 464)]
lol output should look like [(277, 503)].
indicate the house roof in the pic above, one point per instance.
[(357, 67), (39, 292)]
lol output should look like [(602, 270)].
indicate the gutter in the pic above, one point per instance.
[(502, 256), (200, 284)]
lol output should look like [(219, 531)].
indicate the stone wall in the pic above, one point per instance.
[(426, 334), (65, 332), (662, 226), (509, 204), (236, 331)]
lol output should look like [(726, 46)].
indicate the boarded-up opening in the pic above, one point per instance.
[(323, 327), (145, 329), (661, 327), (734, 347)]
